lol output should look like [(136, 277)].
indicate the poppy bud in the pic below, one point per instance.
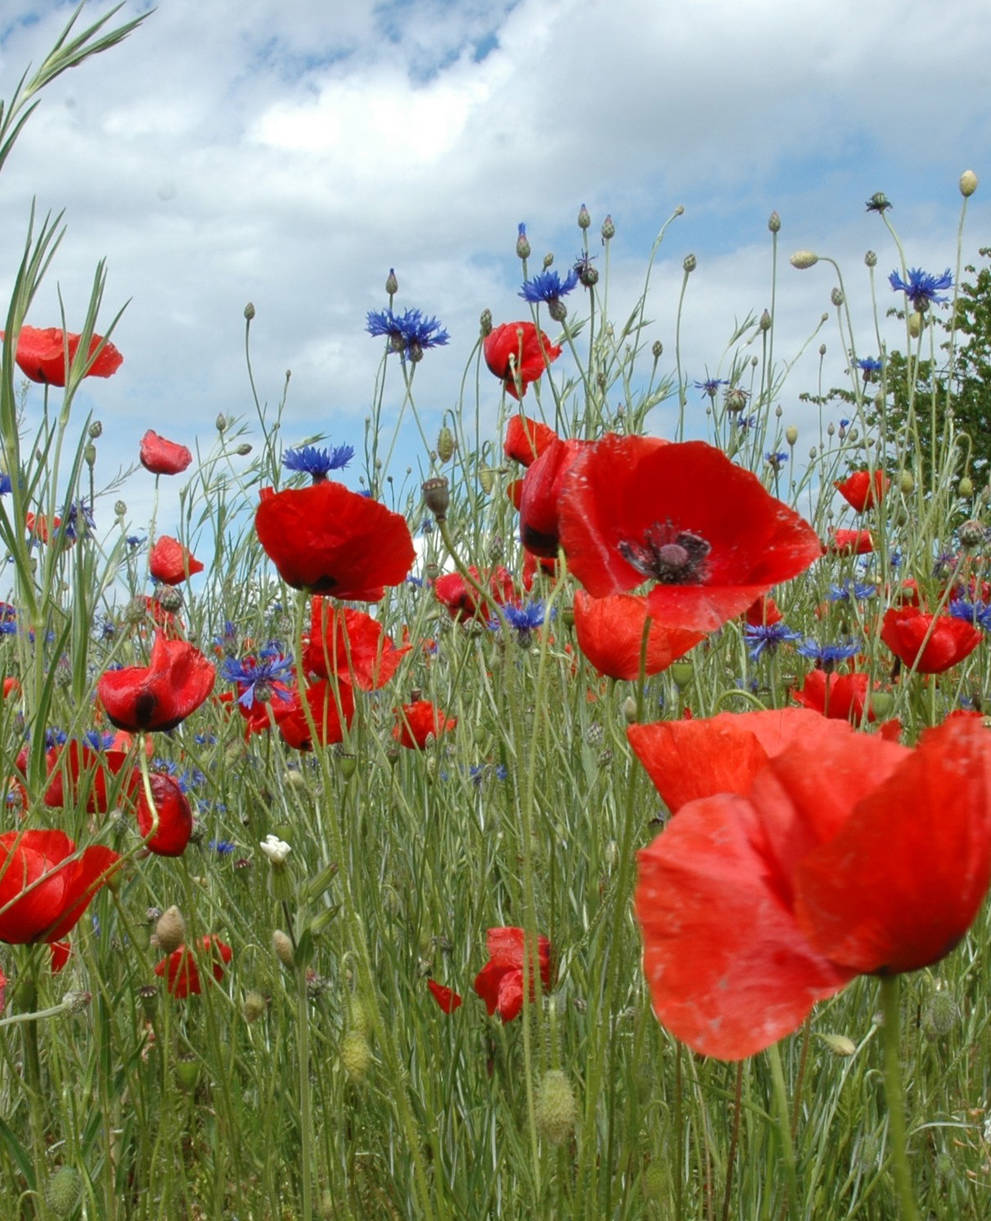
[(391, 283), (249, 311), (906, 482), (968, 183), (689, 263), (836, 296), (445, 444), (791, 434), (840, 1044), (282, 946), (436, 497), (63, 1191), (555, 1108), (89, 454), (96, 430), (971, 532), (940, 1014), (630, 710), (356, 1055), (220, 422), (608, 229), (966, 489), (774, 222), (822, 349), (486, 478), (584, 220), (915, 324), (255, 1006), (243, 449), (870, 258), (187, 1074), (803, 259), (170, 930)]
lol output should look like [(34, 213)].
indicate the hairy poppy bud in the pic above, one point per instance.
[(803, 259), (63, 1191), (255, 1006), (555, 1108), (486, 478), (968, 183), (356, 1055), (282, 946), (966, 489), (170, 930), (445, 444)]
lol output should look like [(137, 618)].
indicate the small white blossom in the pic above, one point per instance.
[(275, 849)]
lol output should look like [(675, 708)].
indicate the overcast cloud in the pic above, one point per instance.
[(290, 154)]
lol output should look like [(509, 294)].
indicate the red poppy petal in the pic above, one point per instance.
[(728, 968), (447, 998), (610, 633), (902, 881)]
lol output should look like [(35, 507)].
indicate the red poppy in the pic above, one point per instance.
[(500, 981), (513, 352), (418, 722), (170, 562), (610, 632), (845, 857), (861, 491), (463, 601), (850, 542), (331, 707), (762, 612), (37, 524), (41, 355), (947, 640), (635, 508), (329, 540), (177, 680), (183, 975), (539, 497), (45, 885), (163, 457), (840, 696), (527, 439), (171, 820), (350, 645), (89, 772), (448, 999), (689, 759)]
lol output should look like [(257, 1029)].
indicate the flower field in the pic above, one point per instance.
[(593, 824)]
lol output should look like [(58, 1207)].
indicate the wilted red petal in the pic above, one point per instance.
[(170, 562), (515, 345), (728, 968), (850, 542), (418, 722), (904, 877), (183, 976), (329, 540), (41, 355), (526, 439), (163, 457), (448, 999), (840, 696), (610, 633), (351, 645), (861, 491), (175, 817), (177, 680)]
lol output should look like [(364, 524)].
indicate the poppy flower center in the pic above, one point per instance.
[(668, 555)]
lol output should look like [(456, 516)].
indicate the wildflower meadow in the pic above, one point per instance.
[(576, 822)]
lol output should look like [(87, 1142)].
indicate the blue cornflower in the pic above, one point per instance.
[(5, 484), (227, 640), (258, 678), (765, 637), (98, 741), (205, 739), (857, 590), (134, 541), (548, 287), (410, 332), (869, 367), (971, 612), (711, 385), (222, 847), (525, 619), (78, 520), (317, 462), (776, 461), (8, 619), (827, 655), (921, 288)]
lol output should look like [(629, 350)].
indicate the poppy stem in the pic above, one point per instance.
[(896, 1098), (784, 1123)]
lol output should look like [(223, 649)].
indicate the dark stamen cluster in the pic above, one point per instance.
[(668, 555)]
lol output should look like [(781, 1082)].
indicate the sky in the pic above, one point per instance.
[(289, 154)]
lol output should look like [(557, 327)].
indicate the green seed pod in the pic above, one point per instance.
[(555, 1107), (355, 1055), (445, 444)]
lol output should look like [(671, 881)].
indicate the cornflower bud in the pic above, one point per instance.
[(249, 312), (522, 245), (656, 349), (96, 429), (870, 258), (836, 296), (584, 220), (689, 263), (391, 283), (485, 323), (608, 229), (774, 222)]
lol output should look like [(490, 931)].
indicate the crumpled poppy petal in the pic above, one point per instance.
[(610, 633)]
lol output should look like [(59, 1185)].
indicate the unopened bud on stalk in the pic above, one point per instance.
[(437, 497), (870, 258), (485, 323), (391, 283), (656, 349), (584, 220), (95, 429), (63, 1191), (608, 229), (243, 449), (522, 245), (765, 321), (249, 312), (548, 261), (170, 930), (681, 672), (220, 422), (774, 222), (89, 453), (445, 444), (915, 324), (629, 709), (282, 945), (966, 489), (822, 349), (555, 1107), (356, 1055), (803, 259), (255, 1006), (791, 434), (836, 296), (689, 263), (120, 508), (968, 183), (486, 478)]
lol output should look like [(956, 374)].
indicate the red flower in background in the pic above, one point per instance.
[(180, 966), (448, 999), (329, 540), (762, 612), (45, 886), (41, 355), (170, 562), (173, 812), (177, 680), (539, 498), (861, 491), (163, 457), (418, 722), (350, 645), (949, 641), (845, 856), (850, 542), (89, 771), (840, 696), (514, 352), (527, 439), (331, 707), (500, 981), (610, 632), (462, 601), (706, 531)]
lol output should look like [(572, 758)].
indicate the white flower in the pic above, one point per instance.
[(275, 849)]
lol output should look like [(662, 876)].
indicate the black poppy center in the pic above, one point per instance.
[(668, 555)]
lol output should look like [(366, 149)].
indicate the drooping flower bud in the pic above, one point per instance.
[(555, 1107), (445, 444), (803, 259), (356, 1055), (170, 930), (282, 945)]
